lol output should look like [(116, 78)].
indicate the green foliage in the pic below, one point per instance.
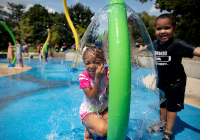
[(151, 33), (149, 23), (17, 12), (11, 20), (80, 30), (54, 35), (32, 49), (80, 15), (3, 32), (143, 1), (60, 30), (25, 33), (39, 17), (31, 26), (3, 14)]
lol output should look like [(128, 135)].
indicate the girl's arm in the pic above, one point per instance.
[(107, 88), (93, 92), (196, 52), (13, 46)]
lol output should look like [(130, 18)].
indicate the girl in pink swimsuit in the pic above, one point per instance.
[(10, 55), (94, 82)]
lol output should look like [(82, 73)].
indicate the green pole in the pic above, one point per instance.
[(119, 71), (14, 40)]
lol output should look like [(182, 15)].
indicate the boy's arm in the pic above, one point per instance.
[(141, 48), (196, 52)]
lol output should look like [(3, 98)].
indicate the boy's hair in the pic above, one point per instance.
[(96, 50), (170, 16)]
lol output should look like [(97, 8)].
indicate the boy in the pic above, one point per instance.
[(171, 75)]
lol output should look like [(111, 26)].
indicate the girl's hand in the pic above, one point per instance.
[(100, 72)]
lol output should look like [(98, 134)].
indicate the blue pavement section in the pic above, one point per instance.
[(187, 126), (43, 103)]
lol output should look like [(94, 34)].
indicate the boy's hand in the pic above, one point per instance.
[(141, 48), (100, 72)]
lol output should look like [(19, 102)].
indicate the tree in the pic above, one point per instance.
[(60, 29), (149, 23), (4, 35), (25, 33), (32, 25), (187, 15), (39, 18), (80, 15), (3, 14), (17, 12)]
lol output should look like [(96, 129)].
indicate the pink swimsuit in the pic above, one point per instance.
[(86, 80)]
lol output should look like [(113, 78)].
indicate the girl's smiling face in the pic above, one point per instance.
[(164, 30), (92, 61)]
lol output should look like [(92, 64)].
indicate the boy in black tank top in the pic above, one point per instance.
[(171, 75)]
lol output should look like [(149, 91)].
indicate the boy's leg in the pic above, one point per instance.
[(45, 57), (163, 114), (175, 103), (96, 125), (157, 127), (171, 118)]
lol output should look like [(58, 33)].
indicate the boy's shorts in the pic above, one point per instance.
[(174, 95)]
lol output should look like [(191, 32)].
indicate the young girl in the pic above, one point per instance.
[(10, 55), (19, 53), (94, 82)]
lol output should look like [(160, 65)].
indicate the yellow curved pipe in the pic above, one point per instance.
[(46, 42), (71, 24)]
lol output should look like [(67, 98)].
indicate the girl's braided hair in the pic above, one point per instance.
[(97, 51), (18, 40)]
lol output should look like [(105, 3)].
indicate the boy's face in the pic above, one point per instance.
[(92, 63), (164, 30)]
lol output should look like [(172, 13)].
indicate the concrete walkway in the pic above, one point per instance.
[(5, 70), (192, 94)]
